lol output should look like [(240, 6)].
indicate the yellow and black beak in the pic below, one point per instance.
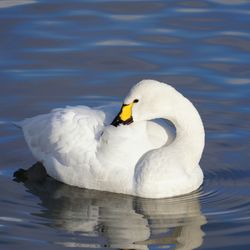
[(124, 116)]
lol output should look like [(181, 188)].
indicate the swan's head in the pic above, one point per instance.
[(146, 101)]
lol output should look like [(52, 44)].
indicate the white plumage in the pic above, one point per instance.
[(77, 145)]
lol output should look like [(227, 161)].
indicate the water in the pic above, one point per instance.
[(57, 53)]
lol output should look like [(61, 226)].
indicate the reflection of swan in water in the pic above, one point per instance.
[(120, 221)]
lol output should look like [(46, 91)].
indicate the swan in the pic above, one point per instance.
[(133, 155)]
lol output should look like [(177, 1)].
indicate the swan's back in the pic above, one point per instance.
[(65, 137)]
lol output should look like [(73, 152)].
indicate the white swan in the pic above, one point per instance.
[(77, 147)]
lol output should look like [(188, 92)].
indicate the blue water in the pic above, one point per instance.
[(58, 53)]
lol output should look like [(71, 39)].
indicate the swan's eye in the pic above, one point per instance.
[(135, 101)]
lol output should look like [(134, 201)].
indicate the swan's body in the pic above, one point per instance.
[(78, 148)]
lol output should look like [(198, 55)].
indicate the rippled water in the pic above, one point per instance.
[(57, 53)]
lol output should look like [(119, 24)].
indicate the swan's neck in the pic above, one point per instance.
[(190, 136)]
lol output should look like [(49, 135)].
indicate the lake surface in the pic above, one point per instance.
[(58, 53)]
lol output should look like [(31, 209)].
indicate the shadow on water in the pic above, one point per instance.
[(122, 221)]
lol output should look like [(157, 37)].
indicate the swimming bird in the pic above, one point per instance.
[(134, 155)]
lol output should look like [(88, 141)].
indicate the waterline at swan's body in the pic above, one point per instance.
[(78, 147)]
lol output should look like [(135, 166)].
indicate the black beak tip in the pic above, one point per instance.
[(117, 121)]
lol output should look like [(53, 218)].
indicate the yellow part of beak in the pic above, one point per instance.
[(126, 112)]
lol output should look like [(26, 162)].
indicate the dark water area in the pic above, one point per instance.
[(58, 53)]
